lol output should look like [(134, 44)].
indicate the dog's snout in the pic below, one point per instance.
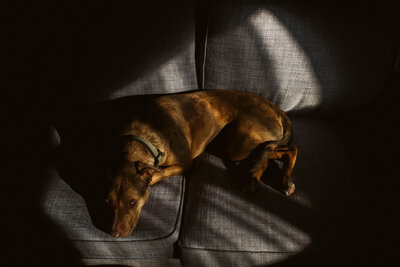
[(119, 231), (116, 233)]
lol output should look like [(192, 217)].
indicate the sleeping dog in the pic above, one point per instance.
[(164, 139)]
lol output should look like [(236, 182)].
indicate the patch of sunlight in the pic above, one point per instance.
[(297, 85), (170, 75), (253, 224)]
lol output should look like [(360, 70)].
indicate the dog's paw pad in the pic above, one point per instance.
[(289, 189)]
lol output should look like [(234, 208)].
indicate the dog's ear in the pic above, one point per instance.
[(146, 171)]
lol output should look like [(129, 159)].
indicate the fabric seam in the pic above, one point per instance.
[(179, 215), (243, 251), (205, 50)]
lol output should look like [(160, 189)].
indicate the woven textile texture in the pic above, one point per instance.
[(157, 229), (297, 55), (325, 215)]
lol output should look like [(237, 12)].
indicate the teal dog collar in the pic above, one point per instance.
[(157, 154)]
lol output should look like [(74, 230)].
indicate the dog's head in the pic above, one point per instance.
[(127, 194)]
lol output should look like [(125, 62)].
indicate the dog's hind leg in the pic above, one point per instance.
[(255, 175), (289, 162), (287, 155)]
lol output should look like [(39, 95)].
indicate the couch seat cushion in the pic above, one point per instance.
[(326, 215), (154, 236)]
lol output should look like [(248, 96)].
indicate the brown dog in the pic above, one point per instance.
[(163, 141)]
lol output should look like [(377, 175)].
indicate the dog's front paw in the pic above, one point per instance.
[(289, 189)]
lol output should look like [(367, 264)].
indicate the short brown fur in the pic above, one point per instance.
[(181, 126)]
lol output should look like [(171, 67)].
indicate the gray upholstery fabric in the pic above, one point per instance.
[(135, 262), (299, 56), (154, 236), (202, 257), (109, 50), (325, 215)]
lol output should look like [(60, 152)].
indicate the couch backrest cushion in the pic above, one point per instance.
[(112, 49), (316, 57)]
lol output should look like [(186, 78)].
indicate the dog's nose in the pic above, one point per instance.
[(116, 233)]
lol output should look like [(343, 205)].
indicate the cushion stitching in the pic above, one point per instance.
[(143, 240)]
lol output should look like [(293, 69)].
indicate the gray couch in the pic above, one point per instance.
[(330, 66)]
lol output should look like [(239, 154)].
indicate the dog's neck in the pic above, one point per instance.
[(156, 153), (144, 134)]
